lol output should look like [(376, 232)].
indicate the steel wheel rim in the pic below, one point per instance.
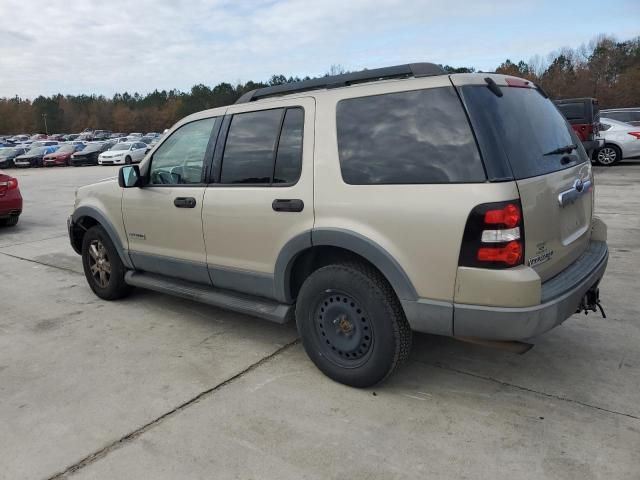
[(99, 263), (343, 329), (607, 156)]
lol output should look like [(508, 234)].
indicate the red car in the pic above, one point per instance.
[(59, 157), (10, 200)]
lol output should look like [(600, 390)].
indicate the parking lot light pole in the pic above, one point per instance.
[(46, 130)]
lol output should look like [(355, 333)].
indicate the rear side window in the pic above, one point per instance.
[(264, 147), (524, 126), (415, 137), (573, 111)]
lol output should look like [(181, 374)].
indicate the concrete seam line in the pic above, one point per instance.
[(33, 241), (530, 390), (104, 451), (40, 263)]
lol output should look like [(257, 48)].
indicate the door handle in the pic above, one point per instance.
[(185, 202), (287, 205)]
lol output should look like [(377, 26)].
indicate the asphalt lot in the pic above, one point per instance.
[(163, 388)]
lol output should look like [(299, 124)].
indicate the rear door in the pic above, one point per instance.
[(262, 195), (525, 130)]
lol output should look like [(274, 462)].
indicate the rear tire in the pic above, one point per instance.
[(352, 324), (102, 265), (608, 155), (9, 222)]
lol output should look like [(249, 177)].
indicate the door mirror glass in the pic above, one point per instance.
[(129, 176)]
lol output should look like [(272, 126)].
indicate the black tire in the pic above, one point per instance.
[(114, 286), (9, 222), (127, 160), (343, 305), (608, 155)]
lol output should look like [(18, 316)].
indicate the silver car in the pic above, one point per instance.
[(621, 141)]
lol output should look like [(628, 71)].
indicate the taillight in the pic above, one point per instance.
[(518, 83), (494, 236), (635, 134), (12, 183)]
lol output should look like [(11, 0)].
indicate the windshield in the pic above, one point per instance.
[(121, 146), (524, 126), (37, 151), (66, 149)]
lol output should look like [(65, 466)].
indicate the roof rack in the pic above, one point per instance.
[(399, 71)]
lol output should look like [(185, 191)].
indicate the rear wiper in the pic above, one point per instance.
[(565, 149)]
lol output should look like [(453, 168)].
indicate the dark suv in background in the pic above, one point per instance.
[(584, 116)]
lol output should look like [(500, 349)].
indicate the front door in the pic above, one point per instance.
[(163, 219), (262, 195)]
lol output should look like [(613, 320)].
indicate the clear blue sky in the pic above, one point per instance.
[(103, 47)]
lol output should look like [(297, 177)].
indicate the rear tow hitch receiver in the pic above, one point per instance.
[(591, 302)]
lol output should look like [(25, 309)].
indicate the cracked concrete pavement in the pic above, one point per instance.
[(158, 387)]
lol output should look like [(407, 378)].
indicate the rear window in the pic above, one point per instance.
[(522, 126), (415, 137)]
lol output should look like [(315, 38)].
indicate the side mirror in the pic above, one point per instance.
[(129, 176)]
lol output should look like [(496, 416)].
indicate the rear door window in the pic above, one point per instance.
[(414, 137), (523, 126)]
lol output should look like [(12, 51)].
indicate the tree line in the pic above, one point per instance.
[(604, 68)]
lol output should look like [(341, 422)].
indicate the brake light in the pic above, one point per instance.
[(518, 82), (494, 236), (511, 253), (12, 183), (509, 216), (635, 134)]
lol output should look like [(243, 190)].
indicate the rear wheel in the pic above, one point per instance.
[(352, 324), (608, 155), (102, 265)]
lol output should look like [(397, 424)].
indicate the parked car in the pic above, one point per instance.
[(621, 141), (446, 204), (135, 134), (147, 139), (71, 137), (584, 116), (8, 154), (123, 153), (38, 136), (44, 143), (101, 134), (627, 115), (89, 154), (62, 156), (19, 138), (34, 157), (10, 200)]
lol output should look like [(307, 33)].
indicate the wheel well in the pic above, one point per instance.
[(314, 258), (79, 229)]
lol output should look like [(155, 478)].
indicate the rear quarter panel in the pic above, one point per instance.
[(420, 226)]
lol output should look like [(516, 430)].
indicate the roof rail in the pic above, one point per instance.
[(399, 71)]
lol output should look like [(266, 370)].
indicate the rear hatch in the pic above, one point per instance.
[(520, 130)]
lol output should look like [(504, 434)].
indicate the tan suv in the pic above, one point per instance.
[(367, 205)]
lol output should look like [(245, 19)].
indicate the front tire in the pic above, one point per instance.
[(127, 160), (608, 155), (352, 324), (102, 265)]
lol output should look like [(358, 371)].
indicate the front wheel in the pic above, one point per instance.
[(608, 155), (127, 160), (352, 324), (102, 265)]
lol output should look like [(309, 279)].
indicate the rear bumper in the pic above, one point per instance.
[(561, 297)]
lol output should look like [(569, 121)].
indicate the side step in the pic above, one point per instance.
[(254, 306)]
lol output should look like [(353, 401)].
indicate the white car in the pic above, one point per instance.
[(123, 153), (621, 141)]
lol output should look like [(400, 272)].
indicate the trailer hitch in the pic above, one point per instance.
[(591, 302)]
